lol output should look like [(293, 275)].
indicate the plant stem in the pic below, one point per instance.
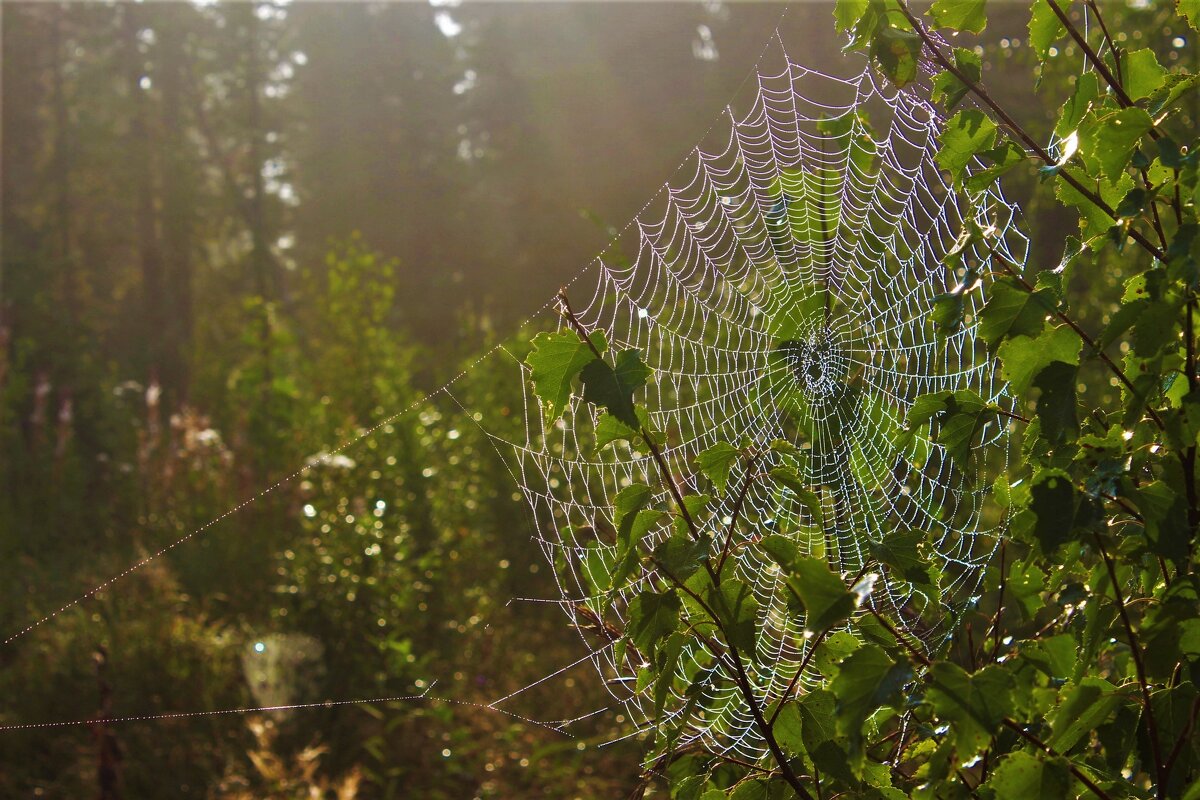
[(787, 692), (655, 452)]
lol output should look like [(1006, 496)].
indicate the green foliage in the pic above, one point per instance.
[(1070, 671)]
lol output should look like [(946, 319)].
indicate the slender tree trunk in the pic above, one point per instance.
[(62, 175), (260, 257), (141, 155), (177, 212), (108, 756)]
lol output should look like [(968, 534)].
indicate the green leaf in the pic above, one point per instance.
[(1174, 712), (680, 555), (825, 597), (947, 88), (1001, 159), (966, 135), (1189, 9), (1142, 73), (818, 718), (665, 662), (847, 14), (612, 387), (960, 416), (1053, 655), (632, 522), (1083, 709), (1053, 499), (947, 314), (554, 362), (782, 550), (753, 789), (1056, 407), (834, 648), (610, 429), (1024, 357), (1107, 143), (959, 15), (737, 611), (1013, 311), (1094, 221), (974, 705), (716, 462), (899, 551), (651, 617), (1026, 584), (632, 529), (1174, 87), (1124, 318), (1045, 28), (867, 680), (1023, 776), (1165, 515), (1087, 89), (1155, 328), (629, 500), (789, 729), (689, 788), (898, 53), (808, 498)]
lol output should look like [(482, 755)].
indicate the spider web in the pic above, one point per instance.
[(783, 292)]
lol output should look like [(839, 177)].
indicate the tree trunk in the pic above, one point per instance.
[(177, 211), (141, 158)]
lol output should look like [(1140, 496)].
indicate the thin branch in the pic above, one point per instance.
[(1050, 751), (902, 639), (569, 314), (1185, 736), (1013, 415), (1091, 55), (999, 604), (1128, 509), (737, 509), (1112, 45), (791, 687)]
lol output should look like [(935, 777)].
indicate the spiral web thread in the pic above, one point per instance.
[(802, 201)]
